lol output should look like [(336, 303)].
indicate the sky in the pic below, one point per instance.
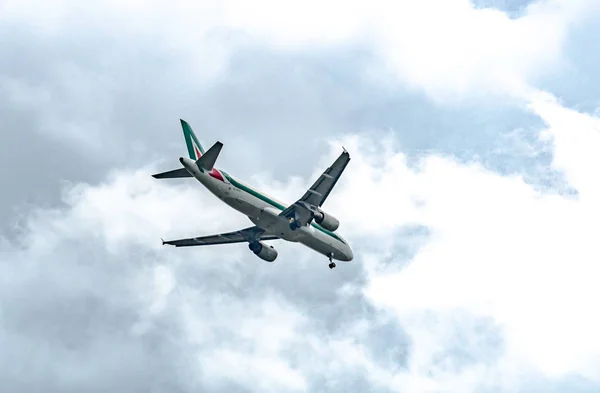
[(470, 199)]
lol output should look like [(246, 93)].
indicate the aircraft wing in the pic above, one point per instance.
[(316, 195), (244, 235)]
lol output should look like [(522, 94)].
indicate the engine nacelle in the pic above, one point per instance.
[(263, 251), (327, 221)]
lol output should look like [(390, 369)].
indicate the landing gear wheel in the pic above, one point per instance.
[(332, 265), (294, 225)]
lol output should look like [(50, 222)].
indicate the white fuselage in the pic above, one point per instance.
[(264, 211)]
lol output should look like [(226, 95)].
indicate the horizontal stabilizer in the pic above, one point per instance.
[(208, 159), (174, 174)]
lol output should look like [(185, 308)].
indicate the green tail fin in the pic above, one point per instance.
[(194, 147)]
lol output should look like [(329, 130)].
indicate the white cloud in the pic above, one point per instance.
[(504, 287), (503, 262), (452, 52), (264, 374), (502, 250), (260, 332)]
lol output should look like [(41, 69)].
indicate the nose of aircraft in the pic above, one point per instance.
[(348, 254)]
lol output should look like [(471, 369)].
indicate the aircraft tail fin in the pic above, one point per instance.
[(194, 147), (205, 160), (208, 159)]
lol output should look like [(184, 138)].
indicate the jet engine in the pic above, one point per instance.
[(327, 221), (264, 251)]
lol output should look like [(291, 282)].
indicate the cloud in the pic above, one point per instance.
[(457, 51), (500, 249), (478, 301), (92, 289), (212, 59), (470, 273), (79, 106), (507, 273)]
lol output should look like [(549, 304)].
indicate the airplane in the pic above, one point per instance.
[(303, 222)]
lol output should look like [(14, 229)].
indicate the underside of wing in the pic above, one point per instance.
[(244, 235), (303, 209), (320, 190)]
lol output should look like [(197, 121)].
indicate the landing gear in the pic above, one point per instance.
[(294, 224), (331, 263)]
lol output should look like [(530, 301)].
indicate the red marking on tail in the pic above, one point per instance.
[(216, 174)]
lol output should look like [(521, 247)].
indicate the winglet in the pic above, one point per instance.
[(345, 151), (163, 242)]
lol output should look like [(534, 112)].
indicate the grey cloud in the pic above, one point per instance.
[(67, 325), (34, 166), (539, 384), (389, 344), (264, 100), (68, 317), (475, 341), (306, 283), (134, 92), (408, 241), (514, 8), (74, 313), (355, 381)]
